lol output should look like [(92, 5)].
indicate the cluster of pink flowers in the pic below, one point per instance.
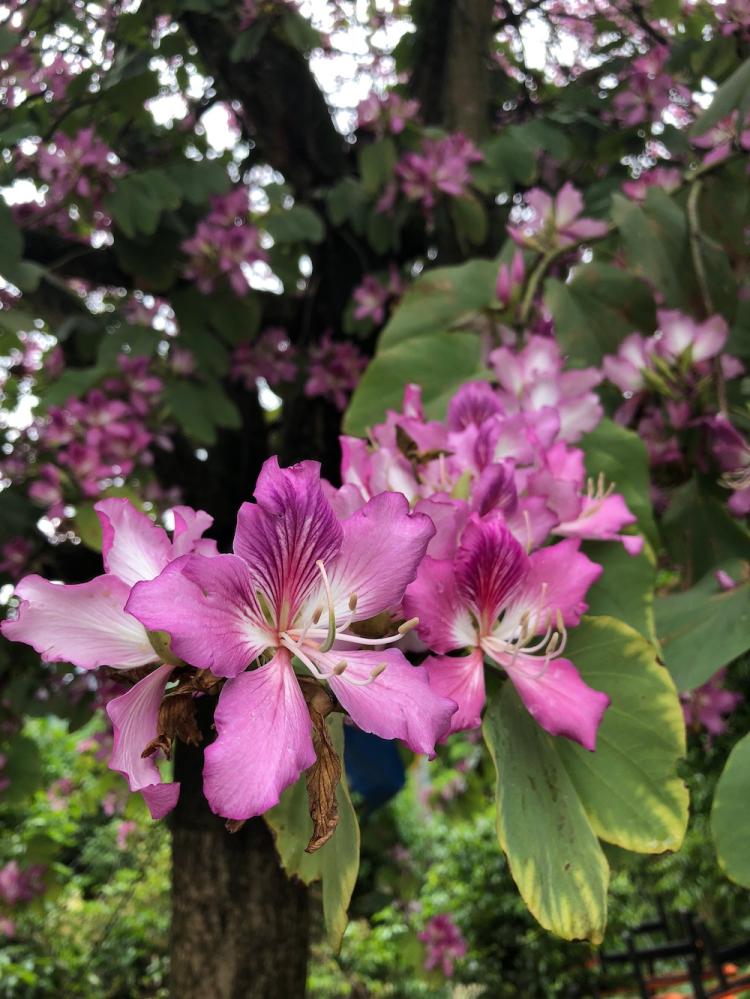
[(664, 378), (709, 706), (79, 165), (441, 167), (386, 114), (667, 178), (649, 90), (438, 538), (224, 243), (444, 943), (14, 557), (79, 449), (334, 368), (270, 356), (17, 885), (373, 296), (550, 223), (24, 75), (723, 138)]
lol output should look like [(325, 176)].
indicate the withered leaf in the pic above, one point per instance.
[(324, 775)]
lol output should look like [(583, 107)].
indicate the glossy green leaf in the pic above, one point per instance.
[(699, 532), (440, 299), (625, 590), (725, 100), (337, 862), (553, 853), (138, 200), (296, 225), (702, 630), (376, 163), (595, 311), (629, 787), (439, 363), (729, 815)]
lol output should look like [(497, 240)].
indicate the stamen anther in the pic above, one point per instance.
[(407, 626), (378, 670), (353, 602), (339, 668)]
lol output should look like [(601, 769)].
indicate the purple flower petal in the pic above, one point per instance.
[(209, 609), (133, 546), (444, 620), (460, 679), (557, 698), (283, 535), (134, 716), (559, 578), (489, 567), (264, 741), (85, 624), (397, 704), (382, 546)]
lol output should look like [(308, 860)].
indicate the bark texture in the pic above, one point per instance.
[(239, 926)]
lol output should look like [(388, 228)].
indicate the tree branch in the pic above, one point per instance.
[(285, 113)]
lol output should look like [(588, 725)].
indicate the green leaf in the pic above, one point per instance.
[(139, 341), (376, 163), (138, 200), (298, 31), (699, 532), (296, 225), (625, 590), (469, 218), (185, 400), (197, 182), (729, 95), (441, 298), (337, 862), (439, 363), (11, 244), (509, 161), (657, 245), (629, 786), (72, 384), (729, 815), (620, 455), (597, 309), (23, 768), (553, 853), (702, 630), (347, 201)]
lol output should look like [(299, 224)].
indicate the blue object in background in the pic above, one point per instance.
[(373, 766)]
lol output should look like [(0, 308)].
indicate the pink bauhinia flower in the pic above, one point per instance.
[(709, 706), (495, 601), (87, 625), (296, 584), (555, 222), (443, 943)]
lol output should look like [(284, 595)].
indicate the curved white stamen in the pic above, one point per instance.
[(358, 640), (331, 635), (292, 646)]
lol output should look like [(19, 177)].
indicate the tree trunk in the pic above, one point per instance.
[(240, 927)]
